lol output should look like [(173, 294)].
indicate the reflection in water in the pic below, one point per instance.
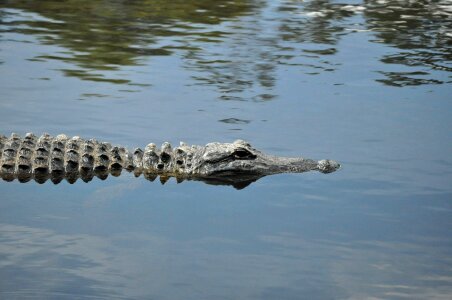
[(421, 32), (83, 266), (235, 46), (102, 36), (245, 65), (135, 265), (234, 121), (238, 181)]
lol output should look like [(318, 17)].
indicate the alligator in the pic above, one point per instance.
[(57, 158)]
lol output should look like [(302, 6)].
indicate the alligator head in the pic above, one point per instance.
[(239, 164)]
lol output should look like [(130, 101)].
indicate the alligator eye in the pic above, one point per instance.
[(242, 154)]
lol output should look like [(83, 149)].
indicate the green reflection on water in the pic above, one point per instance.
[(418, 30), (235, 46), (104, 35)]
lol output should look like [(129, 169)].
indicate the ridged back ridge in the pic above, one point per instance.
[(61, 157)]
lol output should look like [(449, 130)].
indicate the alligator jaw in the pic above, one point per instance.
[(241, 174), (300, 165), (263, 165)]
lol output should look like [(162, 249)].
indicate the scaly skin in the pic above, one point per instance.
[(60, 157)]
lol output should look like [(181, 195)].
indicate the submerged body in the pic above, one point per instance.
[(60, 157)]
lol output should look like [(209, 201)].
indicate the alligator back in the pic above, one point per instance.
[(60, 157)]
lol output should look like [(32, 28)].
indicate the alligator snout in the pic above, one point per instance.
[(328, 166)]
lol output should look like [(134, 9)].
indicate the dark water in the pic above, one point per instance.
[(367, 83)]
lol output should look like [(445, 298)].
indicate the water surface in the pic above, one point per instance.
[(367, 83)]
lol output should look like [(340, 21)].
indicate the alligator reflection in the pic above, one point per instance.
[(238, 181)]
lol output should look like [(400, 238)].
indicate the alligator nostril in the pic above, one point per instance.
[(179, 162), (160, 166)]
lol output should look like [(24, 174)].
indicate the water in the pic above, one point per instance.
[(364, 82)]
